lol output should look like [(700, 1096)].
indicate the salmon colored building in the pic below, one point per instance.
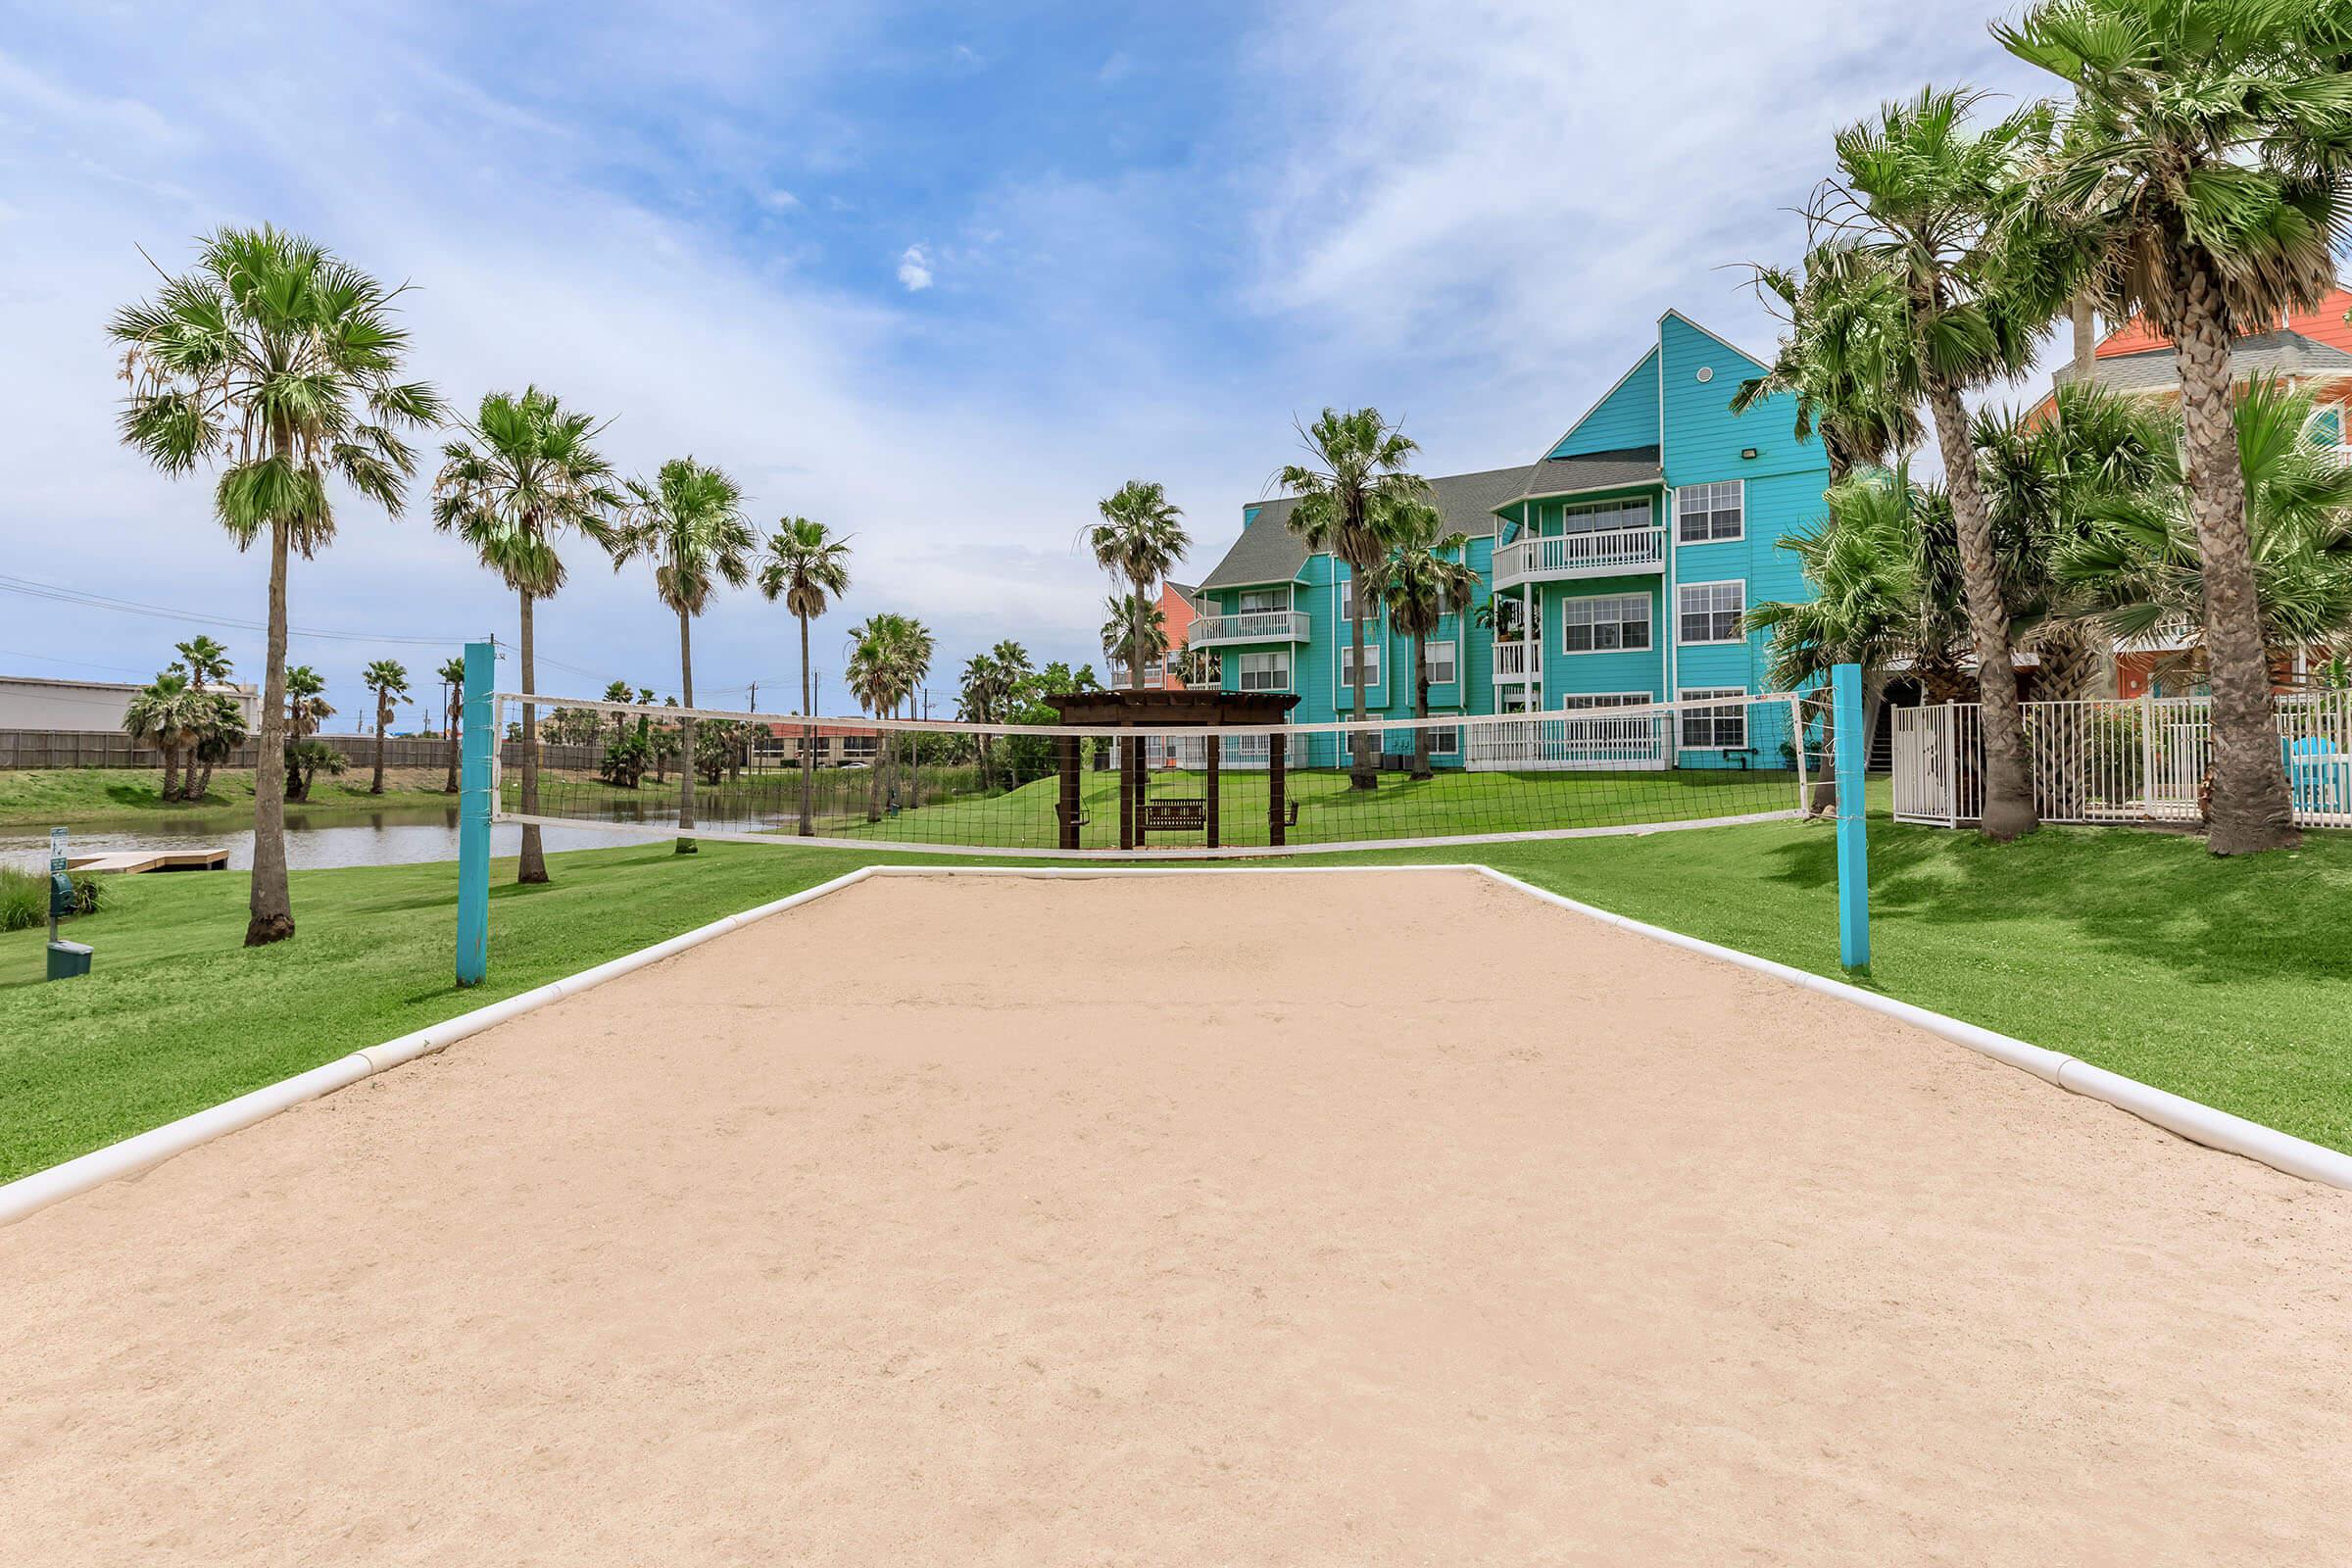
[(1179, 603)]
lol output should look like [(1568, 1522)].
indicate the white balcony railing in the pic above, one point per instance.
[(1596, 741), (1257, 626), (1604, 553), (1518, 660)]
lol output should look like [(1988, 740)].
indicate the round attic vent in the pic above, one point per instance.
[(1706, 372)]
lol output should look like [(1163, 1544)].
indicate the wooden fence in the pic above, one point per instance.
[(66, 748)]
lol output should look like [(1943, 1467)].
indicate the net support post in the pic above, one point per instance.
[(1276, 821), (474, 787), (1853, 862)]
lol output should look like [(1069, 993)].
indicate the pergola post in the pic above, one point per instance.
[(1128, 812), (1216, 744), (1277, 829), (1068, 806)]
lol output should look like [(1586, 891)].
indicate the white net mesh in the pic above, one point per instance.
[(1167, 790)]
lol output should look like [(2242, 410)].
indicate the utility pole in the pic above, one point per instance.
[(753, 704)]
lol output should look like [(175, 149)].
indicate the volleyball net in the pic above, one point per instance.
[(1058, 791)]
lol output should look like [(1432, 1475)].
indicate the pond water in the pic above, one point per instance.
[(395, 835)]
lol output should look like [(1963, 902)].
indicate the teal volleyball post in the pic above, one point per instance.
[(1853, 855), (473, 816)]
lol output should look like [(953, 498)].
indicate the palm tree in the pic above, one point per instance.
[(1920, 192), (278, 362), (2139, 568), (2041, 481), (388, 679), (1135, 632), (306, 706), (163, 716), (689, 523), (993, 682), (1425, 576), (1138, 540), (620, 691), (809, 570), (876, 670), (1847, 358), (2208, 154), (205, 661), (1347, 491), (1198, 667), (525, 470), (451, 675), (218, 731)]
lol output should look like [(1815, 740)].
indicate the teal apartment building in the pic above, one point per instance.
[(1619, 564)]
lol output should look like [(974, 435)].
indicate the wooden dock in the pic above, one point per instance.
[(130, 861)]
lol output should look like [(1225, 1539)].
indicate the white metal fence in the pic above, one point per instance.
[(2117, 759)]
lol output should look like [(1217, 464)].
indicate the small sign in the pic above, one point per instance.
[(57, 850)]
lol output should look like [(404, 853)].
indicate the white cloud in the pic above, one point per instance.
[(914, 268)]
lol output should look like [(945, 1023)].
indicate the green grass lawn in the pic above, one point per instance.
[(2230, 982), (45, 797)]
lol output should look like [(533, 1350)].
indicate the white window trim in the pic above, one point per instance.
[(1681, 588), (1342, 666), (1453, 730), (1343, 590), (1643, 600), (1240, 601), (1623, 700), (1281, 667), (1723, 695), (1453, 657), (1712, 539), (1586, 508)]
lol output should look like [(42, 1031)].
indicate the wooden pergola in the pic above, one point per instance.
[(1156, 710)]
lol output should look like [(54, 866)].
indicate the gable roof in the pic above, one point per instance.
[(1589, 471), (1186, 592), (2155, 369), (1268, 552)]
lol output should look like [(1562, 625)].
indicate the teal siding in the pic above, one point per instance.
[(1627, 416)]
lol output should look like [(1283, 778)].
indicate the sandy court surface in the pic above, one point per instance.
[(1396, 1219)]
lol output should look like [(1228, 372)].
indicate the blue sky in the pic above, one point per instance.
[(938, 275)]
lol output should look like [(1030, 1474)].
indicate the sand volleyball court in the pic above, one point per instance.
[(1277, 1219)]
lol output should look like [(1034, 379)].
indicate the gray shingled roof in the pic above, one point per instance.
[(1268, 552), (2279, 353), (1589, 471)]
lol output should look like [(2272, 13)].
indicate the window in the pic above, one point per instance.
[(1441, 670), (1582, 701), (1711, 611), (1709, 512), (1265, 672), (1719, 729), (1603, 517), (1348, 608), (1601, 625), (1263, 601), (1447, 741), (1371, 664)]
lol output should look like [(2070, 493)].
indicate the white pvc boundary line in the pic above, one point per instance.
[(2189, 1119), (657, 831)]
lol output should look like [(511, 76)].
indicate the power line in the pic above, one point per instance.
[(83, 599)]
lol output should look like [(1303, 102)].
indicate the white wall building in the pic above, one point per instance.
[(36, 701)]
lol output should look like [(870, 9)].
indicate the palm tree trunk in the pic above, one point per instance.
[(204, 786), (2008, 787), (1420, 708), (873, 771), (272, 906), (807, 743), (532, 867), (2252, 809), (451, 719), (171, 767), (1360, 773), (685, 845), (376, 786), (2087, 339)]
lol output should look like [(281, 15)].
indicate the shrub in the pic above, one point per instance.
[(24, 897)]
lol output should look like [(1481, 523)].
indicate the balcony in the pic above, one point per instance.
[(1257, 626), (1604, 553), (1587, 742), (1518, 661)]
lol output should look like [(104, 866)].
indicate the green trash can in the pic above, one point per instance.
[(68, 959)]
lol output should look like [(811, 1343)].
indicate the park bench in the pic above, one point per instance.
[(1179, 814)]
